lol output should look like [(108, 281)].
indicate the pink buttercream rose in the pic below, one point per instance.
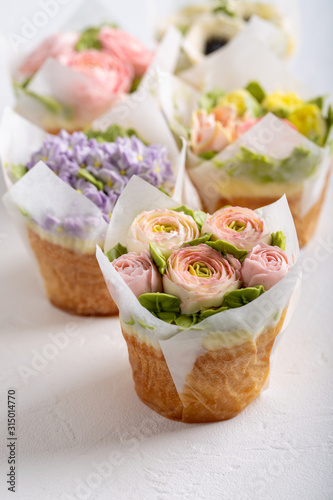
[(102, 68), (265, 265), (54, 46), (139, 273), (108, 79), (241, 227), (208, 134), (200, 277), (126, 48)]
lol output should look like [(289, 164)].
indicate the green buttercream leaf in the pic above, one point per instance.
[(281, 113), (212, 312), (18, 171), (158, 258), (329, 123), (116, 252), (300, 165), (256, 91), (318, 101), (198, 215), (207, 155), (89, 40), (135, 84), (241, 297), (198, 241), (84, 174), (224, 7), (168, 317), (49, 103), (279, 240), (227, 248), (110, 135), (210, 100), (160, 302), (186, 321)]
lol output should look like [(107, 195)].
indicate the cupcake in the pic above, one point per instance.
[(64, 190), (248, 147), (202, 299), (75, 76), (211, 26)]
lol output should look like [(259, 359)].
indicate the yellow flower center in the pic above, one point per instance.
[(44, 158), (161, 228), (79, 191), (140, 157), (123, 172), (200, 270), (97, 164), (237, 226), (109, 184)]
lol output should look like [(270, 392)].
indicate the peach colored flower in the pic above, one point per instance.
[(207, 134), (265, 265), (139, 273), (241, 227), (126, 48), (54, 46)]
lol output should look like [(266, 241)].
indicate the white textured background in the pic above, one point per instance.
[(82, 432)]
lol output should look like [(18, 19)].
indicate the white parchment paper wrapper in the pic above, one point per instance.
[(182, 347), (20, 138), (67, 86), (230, 69)]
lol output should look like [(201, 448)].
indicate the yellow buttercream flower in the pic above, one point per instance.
[(285, 102), (309, 121), (242, 101)]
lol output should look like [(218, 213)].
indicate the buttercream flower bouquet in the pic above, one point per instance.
[(63, 189), (203, 299), (250, 144), (73, 77), (210, 26)]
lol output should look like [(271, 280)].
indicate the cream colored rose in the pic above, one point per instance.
[(168, 229)]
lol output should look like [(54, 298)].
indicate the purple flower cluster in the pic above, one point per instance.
[(100, 171)]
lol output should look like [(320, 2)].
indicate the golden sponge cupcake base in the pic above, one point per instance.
[(73, 281), (221, 384)]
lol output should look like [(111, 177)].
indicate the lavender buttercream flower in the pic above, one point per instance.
[(101, 170)]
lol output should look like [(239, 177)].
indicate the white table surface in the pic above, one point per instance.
[(83, 433)]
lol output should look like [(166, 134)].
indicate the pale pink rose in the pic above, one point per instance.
[(127, 48), (166, 228), (108, 80), (265, 265), (241, 227), (139, 273), (207, 134), (102, 68), (200, 277), (54, 46), (246, 125)]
